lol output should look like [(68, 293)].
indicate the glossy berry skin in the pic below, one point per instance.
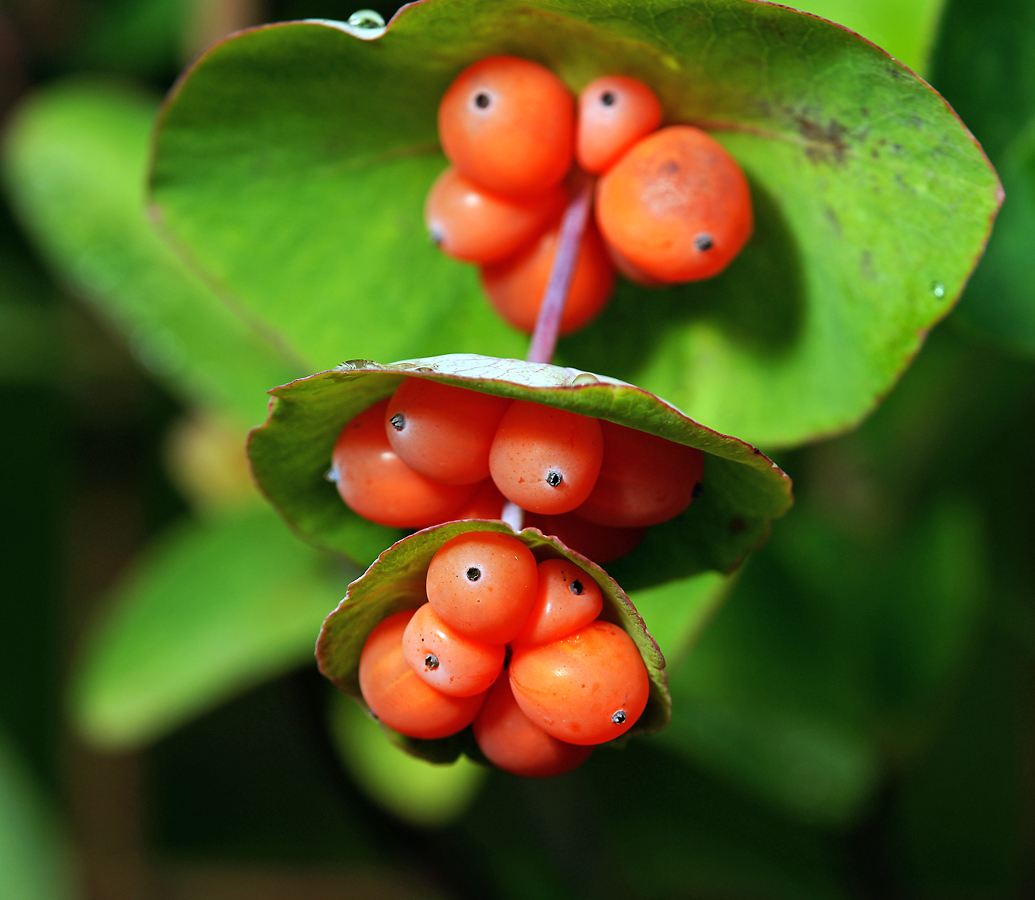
[(379, 486), (482, 584), (586, 688), (614, 113), (487, 503), (546, 460), (599, 543), (515, 287), (510, 740), (566, 600), (443, 432), (398, 697), (508, 124), (676, 207), (446, 660), (474, 225), (644, 479)]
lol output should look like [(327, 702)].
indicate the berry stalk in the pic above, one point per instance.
[(573, 227)]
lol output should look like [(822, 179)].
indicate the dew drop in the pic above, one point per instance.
[(619, 717), (366, 19), (554, 478), (938, 289), (332, 474), (431, 661), (585, 378)]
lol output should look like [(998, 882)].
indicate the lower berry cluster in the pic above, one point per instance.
[(513, 648)]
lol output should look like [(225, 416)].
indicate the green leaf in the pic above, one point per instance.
[(213, 608), (904, 28), (291, 455), (293, 162), (984, 62), (395, 582), (34, 861), (73, 161), (413, 789)]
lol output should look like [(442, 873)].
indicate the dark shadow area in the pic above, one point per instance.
[(759, 302)]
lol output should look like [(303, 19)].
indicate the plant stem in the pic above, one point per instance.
[(569, 242)]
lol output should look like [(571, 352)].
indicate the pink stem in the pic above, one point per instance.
[(573, 226)]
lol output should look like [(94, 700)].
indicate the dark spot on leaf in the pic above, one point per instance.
[(823, 142), (737, 525), (757, 451)]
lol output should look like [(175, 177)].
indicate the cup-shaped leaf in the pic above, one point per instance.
[(292, 163), (396, 581), (291, 455)]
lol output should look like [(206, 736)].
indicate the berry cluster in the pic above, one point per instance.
[(433, 453), (671, 204), (573, 680)]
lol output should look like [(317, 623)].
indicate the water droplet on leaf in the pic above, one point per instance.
[(366, 19), (938, 289)]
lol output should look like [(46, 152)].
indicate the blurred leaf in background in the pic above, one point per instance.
[(35, 862), (984, 64)]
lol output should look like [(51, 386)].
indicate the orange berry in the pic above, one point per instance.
[(599, 543), (487, 503), (614, 113), (516, 286), (676, 207), (586, 688), (566, 600), (510, 740), (644, 479), (482, 584), (508, 124), (375, 483), (545, 460), (443, 432), (471, 224), (398, 697), (448, 661)]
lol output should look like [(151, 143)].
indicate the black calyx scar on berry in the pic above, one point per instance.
[(398, 421), (554, 478), (619, 717), (703, 242), (482, 100), (473, 573), (431, 661), (607, 98), (576, 588)]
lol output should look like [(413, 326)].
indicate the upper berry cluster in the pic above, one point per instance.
[(671, 205)]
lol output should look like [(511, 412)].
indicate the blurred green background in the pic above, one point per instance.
[(855, 721)]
